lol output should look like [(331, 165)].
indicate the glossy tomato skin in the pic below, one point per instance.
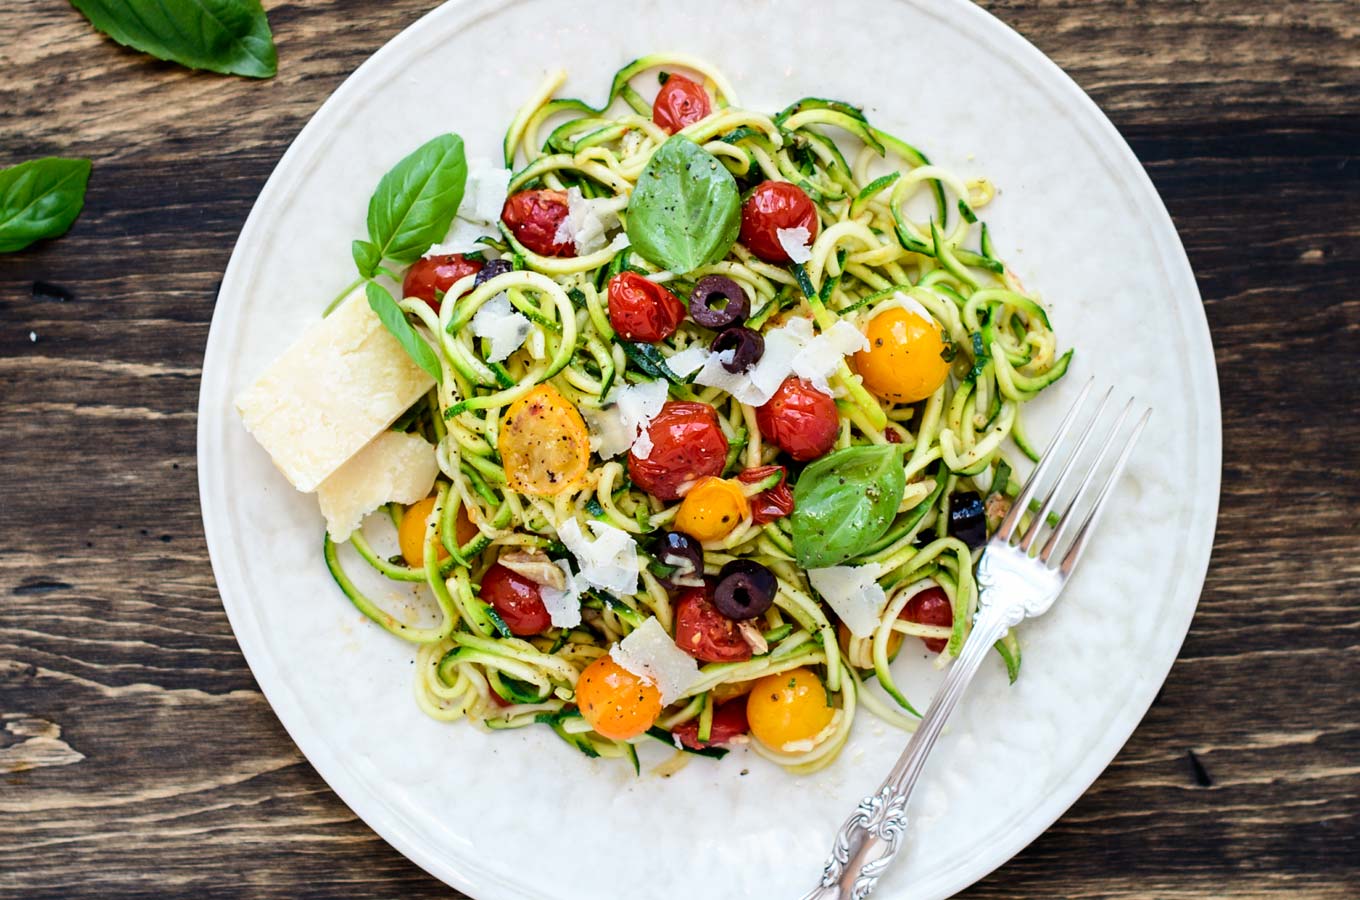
[(687, 445), (800, 420), (930, 607), (516, 599), (642, 310), (682, 101), (703, 632), (729, 721), (772, 503), (533, 218), (774, 205), (436, 273)]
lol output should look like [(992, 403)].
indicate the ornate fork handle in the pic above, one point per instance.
[(870, 838)]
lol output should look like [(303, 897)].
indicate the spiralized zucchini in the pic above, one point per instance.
[(891, 222)]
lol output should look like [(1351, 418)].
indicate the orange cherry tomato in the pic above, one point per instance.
[(712, 509), (616, 703), (411, 535), (543, 443), (533, 218), (905, 360), (436, 273), (682, 101), (787, 708)]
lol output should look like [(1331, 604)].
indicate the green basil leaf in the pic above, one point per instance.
[(366, 256), (844, 501), (394, 320), (685, 212), (415, 202), (227, 36), (40, 199)]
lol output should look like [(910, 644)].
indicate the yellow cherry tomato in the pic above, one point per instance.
[(543, 443), (711, 509), (786, 708), (905, 360), (411, 535), (615, 702)]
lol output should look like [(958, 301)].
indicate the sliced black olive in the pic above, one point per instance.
[(683, 559), (492, 268), (968, 519), (717, 302), (747, 347), (745, 589)]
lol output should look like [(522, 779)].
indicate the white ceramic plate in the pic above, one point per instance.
[(521, 815)]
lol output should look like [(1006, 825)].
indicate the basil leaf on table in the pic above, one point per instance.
[(227, 36), (685, 211), (844, 501), (394, 320), (40, 199), (414, 204)]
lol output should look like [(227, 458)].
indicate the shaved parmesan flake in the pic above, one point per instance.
[(624, 423), (609, 562), (587, 220), (650, 654), (688, 361), (643, 446), (912, 305), (796, 243), (506, 328), (462, 238), (564, 606), (484, 197), (394, 467), (854, 593), (791, 349), (818, 361)]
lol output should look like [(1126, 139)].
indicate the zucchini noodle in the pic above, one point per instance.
[(894, 230)]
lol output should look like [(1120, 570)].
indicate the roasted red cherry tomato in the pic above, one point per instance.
[(516, 599), (729, 721), (703, 632), (533, 218), (771, 503), (930, 607), (642, 310), (436, 273), (774, 205), (800, 420), (687, 445), (682, 101)]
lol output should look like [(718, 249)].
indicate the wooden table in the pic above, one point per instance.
[(137, 756)]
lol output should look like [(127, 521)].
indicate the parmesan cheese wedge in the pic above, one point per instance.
[(340, 385), (392, 468)]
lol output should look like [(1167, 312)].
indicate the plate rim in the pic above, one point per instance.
[(359, 795)]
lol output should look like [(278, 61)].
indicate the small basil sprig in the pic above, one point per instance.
[(414, 205), (227, 36), (685, 211), (40, 199), (394, 320), (844, 501)]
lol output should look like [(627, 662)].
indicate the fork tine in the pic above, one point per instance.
[(1041, 517), (1074, 552), (1066, 516), (1006, 529)]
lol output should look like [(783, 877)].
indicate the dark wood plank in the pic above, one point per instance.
[(137, 757)]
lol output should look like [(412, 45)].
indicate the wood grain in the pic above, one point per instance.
[(137, 756)]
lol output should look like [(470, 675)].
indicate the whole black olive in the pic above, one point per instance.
[(747, 347), (492, 268), (968, 518), (717, 302), (684, 557), (745, 589)]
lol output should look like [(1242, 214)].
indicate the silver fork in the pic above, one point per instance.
[(1015, 582)]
